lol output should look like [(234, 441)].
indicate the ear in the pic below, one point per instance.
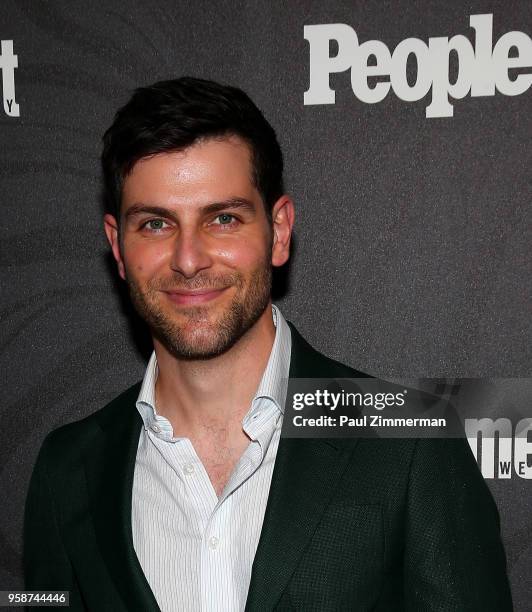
[(283, 222), (111, 231)]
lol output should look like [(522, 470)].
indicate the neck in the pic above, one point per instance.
[(213, 393)]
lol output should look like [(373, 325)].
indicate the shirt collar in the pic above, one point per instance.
[(272, 386)]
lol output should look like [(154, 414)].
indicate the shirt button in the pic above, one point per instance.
[(155, 428), (213, 542), (188, 468)]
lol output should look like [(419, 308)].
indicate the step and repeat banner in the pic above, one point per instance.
[(406, 130)]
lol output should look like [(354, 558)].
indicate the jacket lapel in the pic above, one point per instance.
[(109, 469), (306, 474)]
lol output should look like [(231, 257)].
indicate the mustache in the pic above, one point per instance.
[(201, 281)]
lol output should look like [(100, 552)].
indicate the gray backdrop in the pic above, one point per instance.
[(413, 235)]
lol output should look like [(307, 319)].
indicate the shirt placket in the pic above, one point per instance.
[(213, 520), (220, 592), (217, 588)]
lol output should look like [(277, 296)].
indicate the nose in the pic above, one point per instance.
[(190, 254)]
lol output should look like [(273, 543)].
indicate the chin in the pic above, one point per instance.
[(195, 337), (198, 346)]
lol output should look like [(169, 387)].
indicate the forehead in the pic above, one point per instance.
[(213, 169)]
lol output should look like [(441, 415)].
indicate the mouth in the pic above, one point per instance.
[(194, 296)]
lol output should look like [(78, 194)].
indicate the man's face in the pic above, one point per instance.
[(196, 247)]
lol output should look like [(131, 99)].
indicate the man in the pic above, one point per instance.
[(181, 494)]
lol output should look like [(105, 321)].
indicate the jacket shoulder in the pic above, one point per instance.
[(307, 362), (73, 438)]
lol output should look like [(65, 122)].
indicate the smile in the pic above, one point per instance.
[(194, 296)]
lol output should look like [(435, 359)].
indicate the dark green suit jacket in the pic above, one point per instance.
[(370, 524)]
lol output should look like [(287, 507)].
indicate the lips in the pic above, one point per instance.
[(194, 296)]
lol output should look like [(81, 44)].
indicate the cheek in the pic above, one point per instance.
[(146, 259), (244, 256)]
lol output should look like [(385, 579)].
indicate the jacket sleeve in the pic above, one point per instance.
[(46, 563), (454, 558)]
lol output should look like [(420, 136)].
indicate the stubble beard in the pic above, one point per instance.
[(202, 331)]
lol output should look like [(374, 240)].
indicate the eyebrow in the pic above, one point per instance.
[(231, 203)]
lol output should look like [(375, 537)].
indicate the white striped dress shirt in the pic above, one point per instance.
[(196, 550)]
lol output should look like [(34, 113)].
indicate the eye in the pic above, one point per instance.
[(224, 219), (155, 225)]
